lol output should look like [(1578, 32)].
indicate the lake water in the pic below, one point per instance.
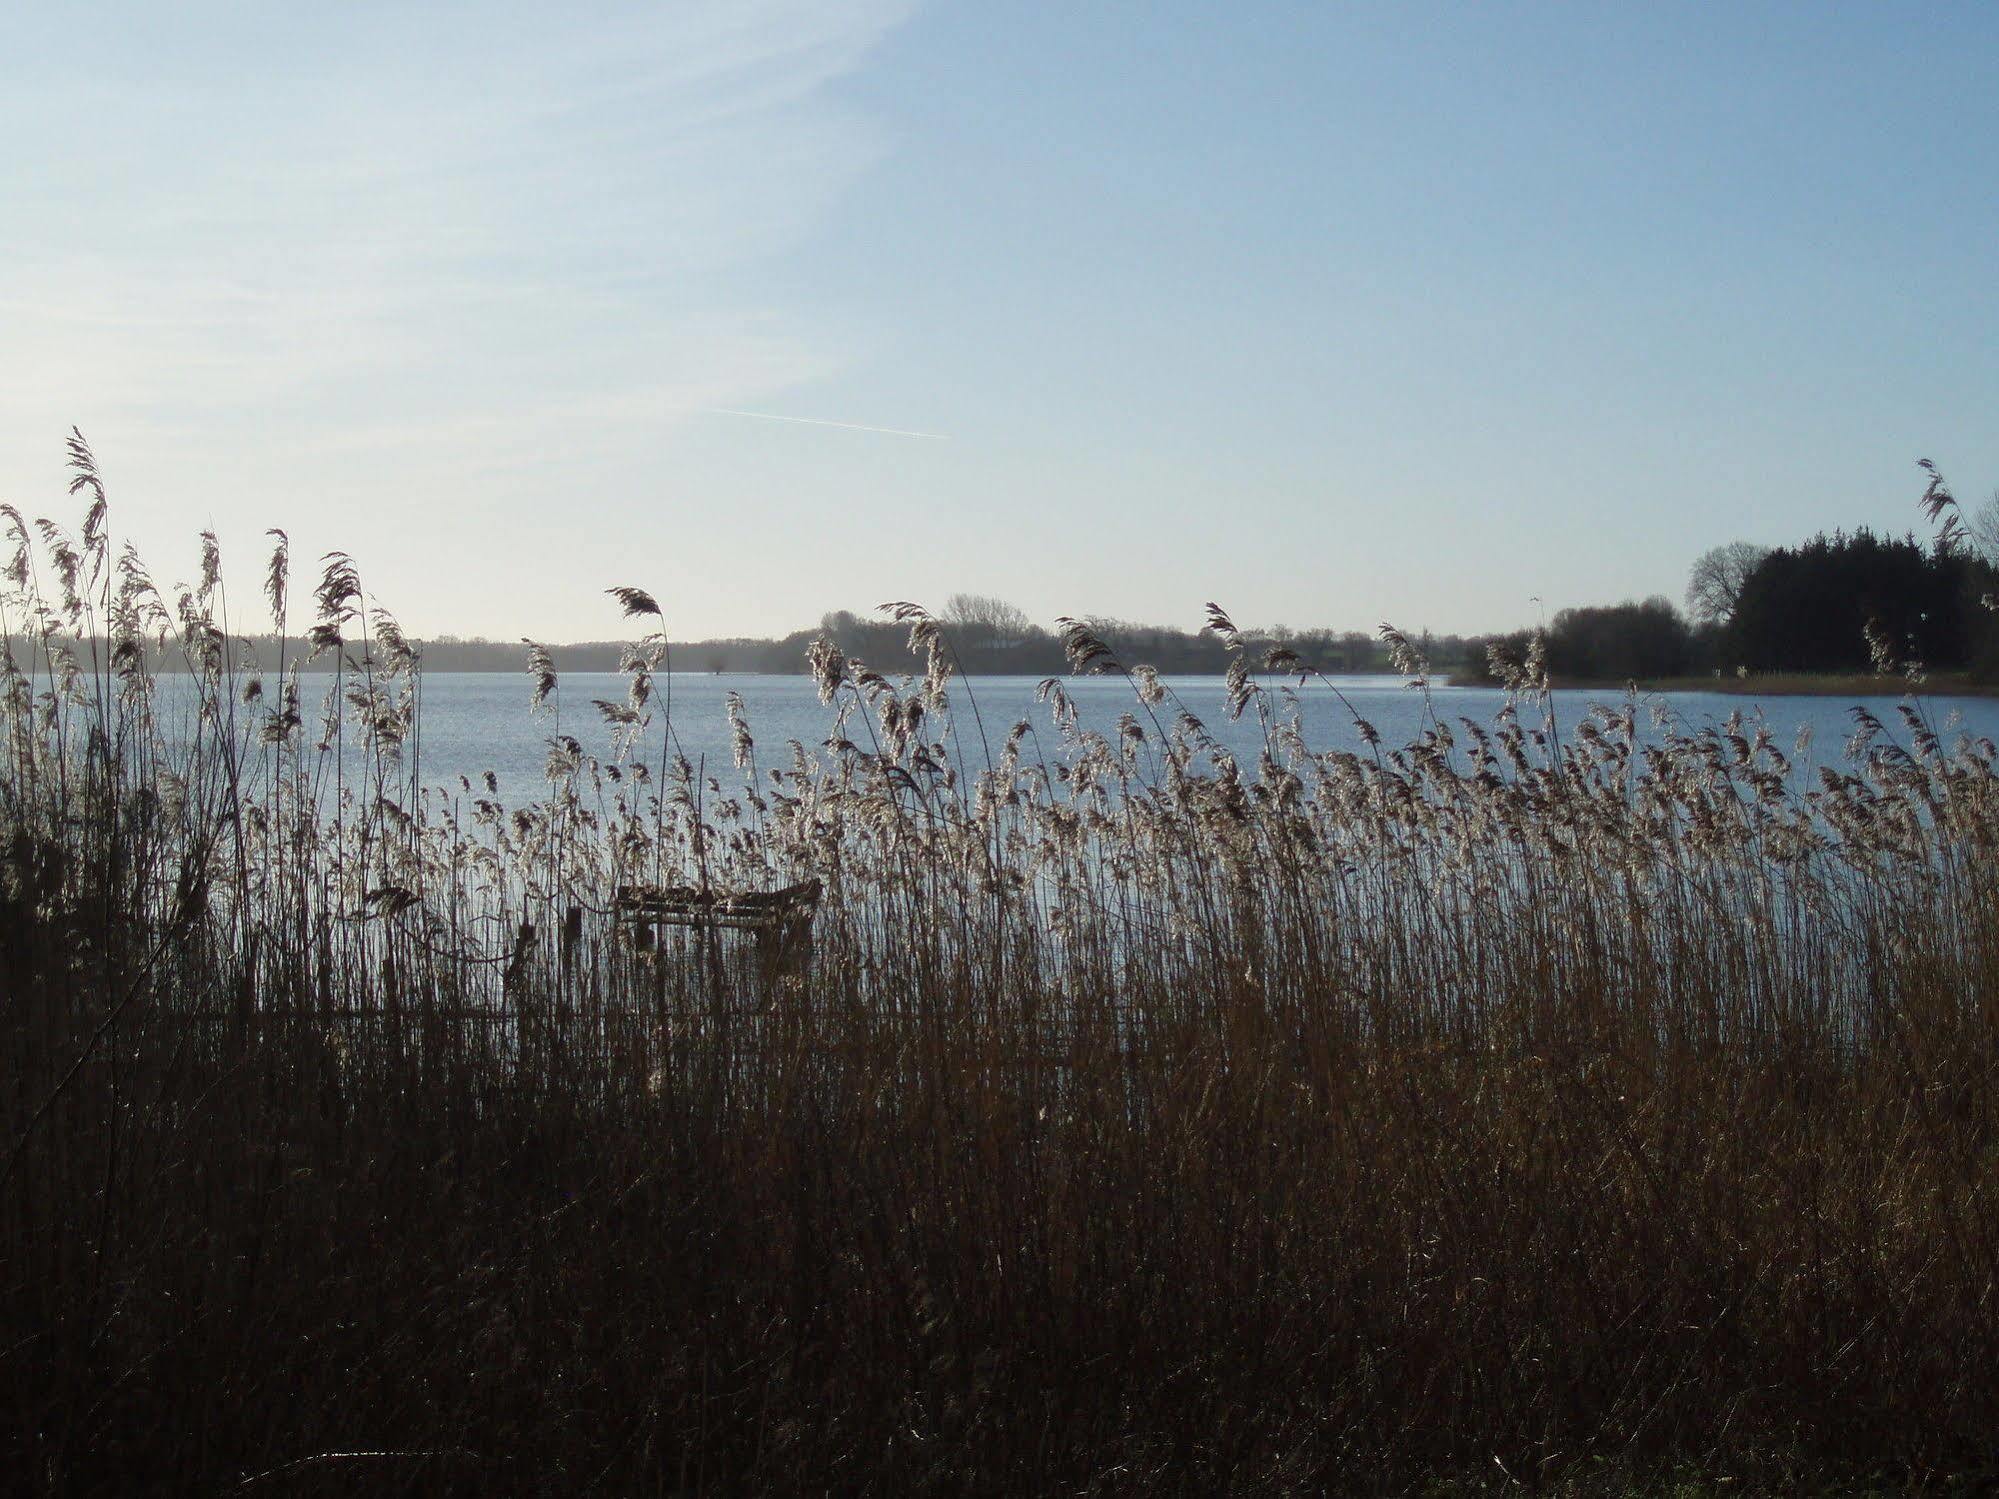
[(478, 721)]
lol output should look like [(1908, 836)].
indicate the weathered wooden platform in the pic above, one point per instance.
[(689, 906), (780, 920)]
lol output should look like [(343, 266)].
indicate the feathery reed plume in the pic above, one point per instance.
[(1407, 659), (635, 602), (1087, 654), (741, 745), (339, 588), (541, 676), (926, 638), (84, 477), (1222, 625), (277, 577), (398, 655), (826, 666), (324, 637), (1940, 507), (211, 567), (1880, 647), (83, 472), (16, 570)]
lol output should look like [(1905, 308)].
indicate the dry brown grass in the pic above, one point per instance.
[(1493, 1108)]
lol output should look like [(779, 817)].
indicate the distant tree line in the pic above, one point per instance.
[(981, 650), (1839, 604), (1017, 646), (987, 635)]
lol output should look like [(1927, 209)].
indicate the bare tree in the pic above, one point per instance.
[(1714, 588), (1983, 528), (984, 613)]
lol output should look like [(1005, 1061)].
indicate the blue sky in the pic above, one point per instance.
[(1332, 313)]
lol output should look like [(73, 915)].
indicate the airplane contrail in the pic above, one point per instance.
[(814, 421)]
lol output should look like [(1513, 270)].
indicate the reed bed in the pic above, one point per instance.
[(1497, 1109)]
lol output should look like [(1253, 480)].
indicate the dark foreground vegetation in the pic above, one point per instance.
[(1500, 1109)]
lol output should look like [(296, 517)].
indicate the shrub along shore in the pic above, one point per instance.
[(1499, 1109), (1933, 685)]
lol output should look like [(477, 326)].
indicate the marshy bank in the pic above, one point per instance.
[(1510, 1105)]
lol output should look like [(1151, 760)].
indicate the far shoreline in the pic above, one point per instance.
[(1779, 684)]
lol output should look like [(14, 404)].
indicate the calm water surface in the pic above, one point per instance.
[(479, 721)]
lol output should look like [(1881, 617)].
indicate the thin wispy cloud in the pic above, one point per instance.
[(815, 421), (485, 235)]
